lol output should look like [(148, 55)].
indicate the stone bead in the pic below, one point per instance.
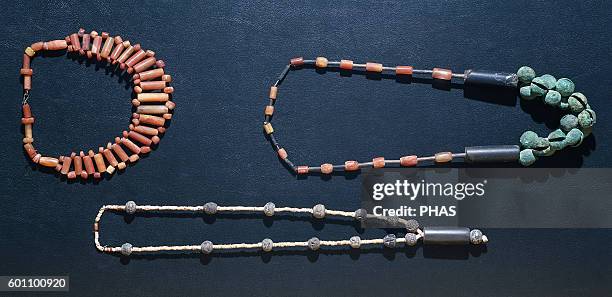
[(526, 93), (389, 240), (297, 61), (351, 166), (126, 249), (30, 52), (314, 243), (403, 70), (130, 207), (303, 169), (564, 105), (210, 208), (361, 214), (355, 242), (556, 139), (536, 90), (565, 87), (412, 225), (346, 64), (327, 168), (318, 211), (266, 244), (409, 161), (525, 74), (476, 236), (206, 247), (282, 153), (443, 157), (586, 118), (577, 102), (411, 239), (269, 209), (441, 73), (549, 81), (374, 67), (321, 62), (527, 157), (269, 110), (574, 137), (378, 162), (529, 139), (553, 98), (268, 128), (568, 122), (48, 161)]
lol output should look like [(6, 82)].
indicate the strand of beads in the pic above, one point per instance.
[(153, 108), (428, 235), (575, 125)]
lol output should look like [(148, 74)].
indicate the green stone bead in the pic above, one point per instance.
[(553, 98), (536, 90), (574, 137), (565, 86), (556, 138), (529, 139), (569, 122), (527, 157), (525, 74), (549, 81), (526, 93), (577, 102), (542, 143), (585, 120)]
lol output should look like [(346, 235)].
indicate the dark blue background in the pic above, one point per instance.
[(223, 57)]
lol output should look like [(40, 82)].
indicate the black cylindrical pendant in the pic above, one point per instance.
[(446, 235), (491, 78), (492, 153)]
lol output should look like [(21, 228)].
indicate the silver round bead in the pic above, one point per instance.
[(266, 244), (355, 242), (412, 225), (411, 239), (318, 211), (269, 209), (476, 236), (389, 240), (130, 207), (206, 247), (361, 214), (314, 243), (126, 249), (210, 208)]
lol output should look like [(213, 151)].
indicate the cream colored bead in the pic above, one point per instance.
[(443, 157), (29, 51), (27, 129), (321, 62), (273, 92), (268, 128)]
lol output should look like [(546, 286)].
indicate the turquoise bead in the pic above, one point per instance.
[(526, 93), (529, 139), (565, 87), (527, 157), (542, 143), (569, 122), (556, 138), (574, 137), (553, 98), (549, 81), (577, 102), (536, 90), (586, 118), (525, 74)]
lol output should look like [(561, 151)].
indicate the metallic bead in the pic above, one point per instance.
[(314, 243), (355, 242), (206, 247), (476, 236), (361, 214), (411, 239), (210, 208), (389, 240), (269, 209), (126, 249), (266, 245), (526, 93), (318, 211), (555, 139), (412, 225), (548, 81), (130, 207)]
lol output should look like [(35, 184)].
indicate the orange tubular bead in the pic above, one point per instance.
[(106, 49), (151, 120), (123, 156), (48, 162), (146, 130), (441, 73), (27, 111), (89, 166), (346, 64), (144, 65), (133, 135), (374, 67), (378, 162), (66, 165), (302, 170), (110, 157), (152, 85), (130, 145), (85, 45), (269, 110), (135, 58), (127, 53), (119, 47), (95, 45), (74, 41), (30, 150), (153, 97), (327, 168), (99, 159), (150, 74), (282, 153), (409, 161), (78, 166), (273, 92), (351, 166), (299, 61), (403, 70), (55, 45)]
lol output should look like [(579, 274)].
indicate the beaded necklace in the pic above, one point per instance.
[(428, 235), (575, 125), (152, 102)]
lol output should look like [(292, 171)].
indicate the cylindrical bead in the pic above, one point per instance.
[(273, 92), (135, 58), (492, 153), (151, 74), (75, 42), (133, 135), (26, 62), (297, 61), (130, 145), (96, 44), (27, 130), (491, 78), (440, 73), (269, 110), (89, 166), (110, 157), (443, 157), (27, 82), (409, 161), (446, 235), (403, 70), (302, 170), (346, 64), (152, 85), (27, 111), (55, 45), (152, 109), (66, 165), (123, 156), (85, 44), (374, 67), (99, 159), (119, 47), (106, 49), (144, 64), (125, 54), (151, 120), (48, 162), (146, 130), (351, 165), (378, 162), (153, 97), (78, 163)]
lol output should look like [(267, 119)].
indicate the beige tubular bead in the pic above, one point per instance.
[(144, 64), (48, 162), (151, 120), (27, 129), (95, 45), (99, 160), (67, 161), (55, 45), (152, 109), (268, 128), (153, 97), (152, 85), (106, 49), (273, 92), (151, 74), (443, 157), (146, 130)]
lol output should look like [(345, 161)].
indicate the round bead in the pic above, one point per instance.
[(321, 62), (361, 214), (206, 247), (549, 81), (130, 207), (318, 211), (266, 244), (411, 239), (586, 118), (314, 243), (389, 240), (412, 225), (525, 74), (577, 102), (126, 249), (553, 98), (526, 93), (355, 242), (476, 236), (537, 87), (574, 137), (529, 139), (269, 209), (210, 208), (556, 138), (527, 157), (568, 122), (565, 86)]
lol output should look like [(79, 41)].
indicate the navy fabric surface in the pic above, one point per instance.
[(223, 56)]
